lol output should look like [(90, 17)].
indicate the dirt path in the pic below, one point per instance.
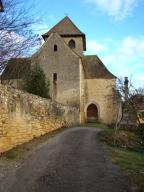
[(73, 161)]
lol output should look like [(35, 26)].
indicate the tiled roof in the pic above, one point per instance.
[(138, 101), (66, 28), (94, 68), (16, 68)]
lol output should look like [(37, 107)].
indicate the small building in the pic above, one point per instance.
[(133, 111), (78, 80), (138, 103)]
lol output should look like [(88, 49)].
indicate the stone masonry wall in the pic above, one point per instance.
[(24, 116), (64, 63)]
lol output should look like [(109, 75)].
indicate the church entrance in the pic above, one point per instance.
[(92, 113)]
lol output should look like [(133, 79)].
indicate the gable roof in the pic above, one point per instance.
[(94, 68), (16, 68), (66, 28)]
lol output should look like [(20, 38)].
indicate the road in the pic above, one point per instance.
[(73, 161)]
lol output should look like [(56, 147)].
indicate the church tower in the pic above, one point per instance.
[(72, 36)]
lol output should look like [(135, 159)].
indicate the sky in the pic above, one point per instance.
[(114, 30)]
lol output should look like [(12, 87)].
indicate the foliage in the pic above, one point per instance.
[(16, 26), (36, 82), (97, 125), (132, 163), (123, 139), (127, 150), (11, 154)]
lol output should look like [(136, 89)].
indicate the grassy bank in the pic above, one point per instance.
[(126, 150), (132, 163)]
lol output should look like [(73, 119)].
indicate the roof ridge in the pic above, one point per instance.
[(60, 22), (19, 58), (90, 56), (66, 28), (74, 24)]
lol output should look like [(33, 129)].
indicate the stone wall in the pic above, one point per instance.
[(25, 116)]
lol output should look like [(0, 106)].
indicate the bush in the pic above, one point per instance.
[(36, 82), (123, 139)]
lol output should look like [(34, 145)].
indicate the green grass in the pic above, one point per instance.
[(12, 154), (97, 125), (132, 163)]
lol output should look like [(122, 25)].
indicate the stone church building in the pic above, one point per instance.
[(75, 79)]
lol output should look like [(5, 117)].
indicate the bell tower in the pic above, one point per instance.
[(72, 36)]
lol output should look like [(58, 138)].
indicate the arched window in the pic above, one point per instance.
[(71, 44), (55, 48)]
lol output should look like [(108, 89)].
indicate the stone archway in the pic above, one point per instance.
[(92, 112)]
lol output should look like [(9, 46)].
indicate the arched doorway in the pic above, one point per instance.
[(92, 113)]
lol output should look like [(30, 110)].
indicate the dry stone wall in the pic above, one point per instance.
[(24, 116)]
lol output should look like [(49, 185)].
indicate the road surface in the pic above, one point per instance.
[(73, 161)]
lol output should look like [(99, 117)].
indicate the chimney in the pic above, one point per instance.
[(126, 89)]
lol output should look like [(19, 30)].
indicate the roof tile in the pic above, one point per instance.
[(94, 68), (16, 68)]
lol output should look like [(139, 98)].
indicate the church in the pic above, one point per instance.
[(76, 79)]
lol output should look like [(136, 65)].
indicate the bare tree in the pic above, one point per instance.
[(16, 31), (130, 106), (131, 99)]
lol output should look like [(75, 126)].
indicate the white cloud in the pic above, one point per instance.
[(118, 9), (128, 50), (123, 57), (95, 47)]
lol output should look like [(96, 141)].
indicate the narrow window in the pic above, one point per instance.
[(55, 48), (55, 77), (54, 85), (71, 44)]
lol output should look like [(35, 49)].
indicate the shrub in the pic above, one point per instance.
[(123, 139), (36, 82)]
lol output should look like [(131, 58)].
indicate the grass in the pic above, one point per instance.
[(97, 125), (19, 152), (132, 163)]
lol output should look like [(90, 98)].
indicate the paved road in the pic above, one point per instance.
[(73, 161)]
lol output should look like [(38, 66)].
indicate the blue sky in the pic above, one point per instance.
[(114, 30)]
